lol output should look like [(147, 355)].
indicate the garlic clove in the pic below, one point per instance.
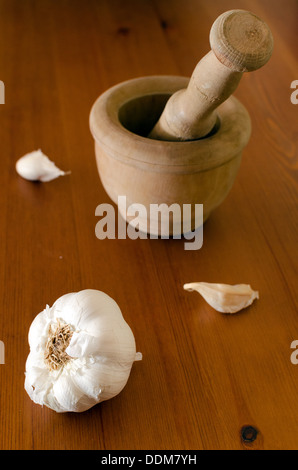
[(67, 393), (37, 384), (35, 166), (83, 344), (224, 298), (66, 308), (38, 329), (114, 345), (89, 381), (93, 323)]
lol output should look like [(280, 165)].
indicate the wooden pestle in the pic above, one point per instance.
[(240, 42)]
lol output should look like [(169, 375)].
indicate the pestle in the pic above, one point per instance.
[(240, 42), (178, 166)]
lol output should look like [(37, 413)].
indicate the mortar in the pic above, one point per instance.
[(133, 162)]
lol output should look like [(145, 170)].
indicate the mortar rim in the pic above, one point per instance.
[(107, 129)]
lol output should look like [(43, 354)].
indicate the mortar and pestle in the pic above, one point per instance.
[(174, 140)]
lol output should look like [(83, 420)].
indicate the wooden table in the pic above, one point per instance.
[(204, 375)]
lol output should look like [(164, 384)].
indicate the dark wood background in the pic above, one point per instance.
[(204, 375)]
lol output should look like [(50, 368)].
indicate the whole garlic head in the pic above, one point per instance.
[(81, 352)]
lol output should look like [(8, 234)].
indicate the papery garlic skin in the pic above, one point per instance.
[(225, 298), (36, 166), (101, 353)]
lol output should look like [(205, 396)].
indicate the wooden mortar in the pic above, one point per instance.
[(148, 170)]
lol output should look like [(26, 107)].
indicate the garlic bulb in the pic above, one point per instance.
[(35, 166), (81, 352), (224, 298)]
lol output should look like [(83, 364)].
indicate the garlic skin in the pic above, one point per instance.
[(224, 298), (36, 166), (97, 350)]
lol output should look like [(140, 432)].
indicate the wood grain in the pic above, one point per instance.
[(204, 375)]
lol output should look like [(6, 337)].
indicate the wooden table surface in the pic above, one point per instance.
[(204, 375)]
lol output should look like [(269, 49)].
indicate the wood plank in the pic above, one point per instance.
[(204, 375)]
